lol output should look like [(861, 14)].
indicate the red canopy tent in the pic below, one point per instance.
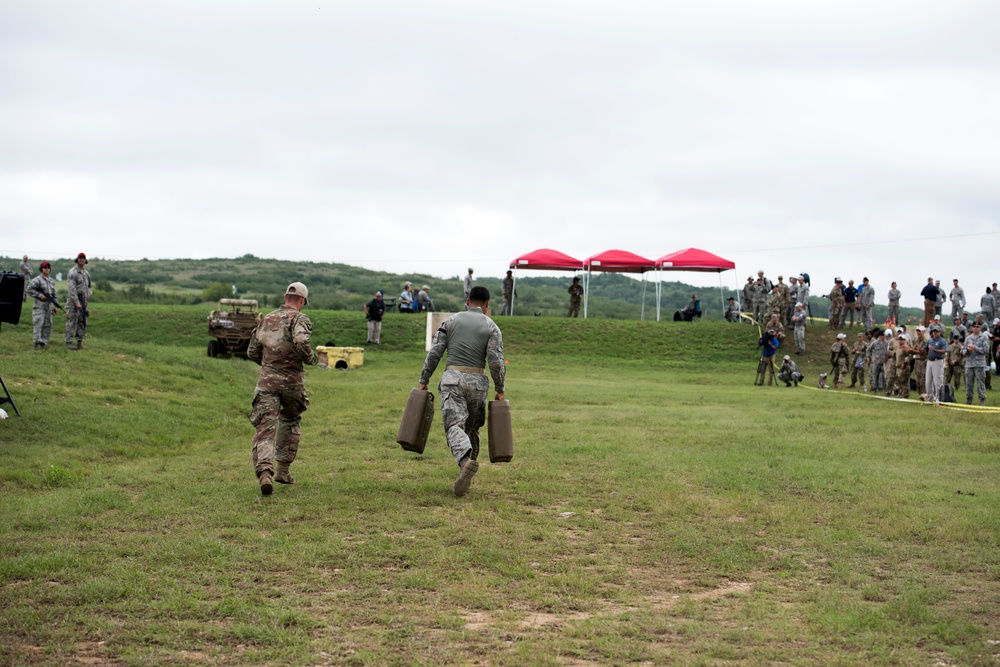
[(544, 259), (616, 261), (692, 259)]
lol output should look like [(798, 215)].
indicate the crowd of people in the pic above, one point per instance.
[(933, 360)]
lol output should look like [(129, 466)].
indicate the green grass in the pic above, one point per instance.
[(659, 509)]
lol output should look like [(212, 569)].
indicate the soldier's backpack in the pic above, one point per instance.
[(947, 394)]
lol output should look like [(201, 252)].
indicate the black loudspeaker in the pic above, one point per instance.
[(11, 296)]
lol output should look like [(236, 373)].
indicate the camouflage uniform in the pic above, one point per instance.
[(858, 362), (901, 359), (471, 340), (957, 297), (889, 365), (575, 292), (467, 284), (954, 365), (919, 355), (866, 301), (976, 365), (775, 303), (280, 344), (78, 286), (41, 312), (987, 305), (876, 363), (839, 356), (836, 305), (746, 297), (759, 301), (894, 295), (786, 295), (793, 298), (799, 322), (26, 272), (777, 326)]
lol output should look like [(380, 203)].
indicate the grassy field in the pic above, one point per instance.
[(660, 509)]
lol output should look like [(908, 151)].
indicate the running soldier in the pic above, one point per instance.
[(280, 344), (77, 303), (472, 341), (43, 290)]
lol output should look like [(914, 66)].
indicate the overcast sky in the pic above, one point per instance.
[(841, 138)]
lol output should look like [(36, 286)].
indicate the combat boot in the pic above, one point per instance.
[(465, 475), (79, 344), (281, 475), (265, 484), (70, 346), (38, 346), (789, 384)]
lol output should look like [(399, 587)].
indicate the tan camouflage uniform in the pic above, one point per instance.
[(901, 359), (836, 306), (280, 344), (575, 292), (858, 353), (954, 365), (919, 355), (889, 366), (839, 356)]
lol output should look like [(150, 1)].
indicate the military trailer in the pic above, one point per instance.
[(231, 326)]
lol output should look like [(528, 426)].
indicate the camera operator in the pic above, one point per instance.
[(769, 344)]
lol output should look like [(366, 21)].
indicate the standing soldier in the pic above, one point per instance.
[(775, 304), (957, 297), (889, 363), (954, 370), (876, 362), (799, 324), (839, 356), (746, 297), (977, 347), (987, 305), (902, 362), (866, 301), (575, 292), (785, 294), (793, 298), (918, 350), (77, 302), (894, 295), (26, 272), (858, 352), (472, 341), (930, 294), (467, 284), (507, 288), (760, 293), (43, 290), (280, 344), (804, 294), (836, 303)]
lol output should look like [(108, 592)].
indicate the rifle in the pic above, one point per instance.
[(51, 298)]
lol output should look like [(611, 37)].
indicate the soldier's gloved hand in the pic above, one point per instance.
[(499, 396), (421, 386)]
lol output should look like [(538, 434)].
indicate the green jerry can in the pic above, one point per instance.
[(416, 424), (500, 432)]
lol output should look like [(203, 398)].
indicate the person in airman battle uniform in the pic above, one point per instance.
[(472, 341), (280, 344), (77, 303)]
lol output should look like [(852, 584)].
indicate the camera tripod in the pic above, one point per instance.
[(7, 398)]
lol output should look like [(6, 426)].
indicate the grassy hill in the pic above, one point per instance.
[(344, 287), (660, 509)]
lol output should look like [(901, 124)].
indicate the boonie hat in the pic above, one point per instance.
[(298, 289)]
